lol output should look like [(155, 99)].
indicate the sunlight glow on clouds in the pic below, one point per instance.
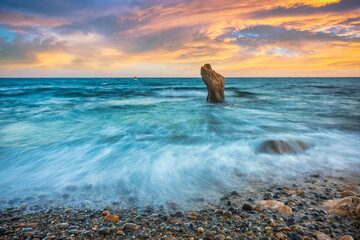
[(174, 38)]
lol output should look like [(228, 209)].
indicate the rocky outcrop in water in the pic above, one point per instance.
[(283, 147), (215, 84)]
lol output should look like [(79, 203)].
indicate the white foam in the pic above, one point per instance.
[(181, 93), (140, 101)]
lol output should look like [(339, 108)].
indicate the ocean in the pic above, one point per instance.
[(155, 139)]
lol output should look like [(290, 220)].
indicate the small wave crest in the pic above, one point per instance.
[(12, 92), (177, 93)]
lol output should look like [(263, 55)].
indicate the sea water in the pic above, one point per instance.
[(105, 139)]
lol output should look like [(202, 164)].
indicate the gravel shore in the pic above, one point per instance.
[(302, 210)]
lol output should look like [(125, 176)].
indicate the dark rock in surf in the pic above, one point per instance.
[(283, 147), (215, 84)]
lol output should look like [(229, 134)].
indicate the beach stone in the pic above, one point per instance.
[(62, 225), (73, 231), (342, 207), (104, 231), (31, 225), (29, 234), (358, 210), (15, 218), (208, 235), (179, 214), (111, 217), (227, 214), (346, 237), (131, 226), (295, 236), (219, 237), (283, 147), (215, 84), (247, 207), (89, 233), (281, 207), (200, 230), (219, 211), (191, 226)]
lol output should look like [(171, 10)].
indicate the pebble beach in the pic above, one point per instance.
[(263, 211)]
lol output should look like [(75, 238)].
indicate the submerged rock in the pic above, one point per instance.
[(283, 147), (215, 84)]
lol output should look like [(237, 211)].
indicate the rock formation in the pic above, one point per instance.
[(283, 147), (215, 84)]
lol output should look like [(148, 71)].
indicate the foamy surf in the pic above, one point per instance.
[(155, 143)]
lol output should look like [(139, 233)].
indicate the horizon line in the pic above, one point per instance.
[(182, 77)]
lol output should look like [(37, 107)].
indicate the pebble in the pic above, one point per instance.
[(104, 231), (247, 207), (227, 214), (111, 217), (62, 225), (200, 230), (131, 226), (231, 218), (179, 214)]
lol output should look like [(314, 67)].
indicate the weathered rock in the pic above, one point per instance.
[(358, 210), (281, 207), (283, 147), (342, 207), (131, 226), (346, 237), (215, 84), (111, 217)]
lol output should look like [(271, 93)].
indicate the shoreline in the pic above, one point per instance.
[(236, 214)]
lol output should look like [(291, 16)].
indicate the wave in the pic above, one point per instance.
[(232, 92), (139, 101), (12, 93)]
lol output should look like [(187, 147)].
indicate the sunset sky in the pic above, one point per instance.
[(169, 38)]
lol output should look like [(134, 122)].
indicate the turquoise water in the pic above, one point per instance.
[(158, 138)]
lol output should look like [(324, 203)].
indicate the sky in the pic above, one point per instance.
[(174, 38)]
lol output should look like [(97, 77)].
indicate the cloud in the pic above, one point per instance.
[(302, 10), (261, 34), (132, 35), (22, 50)]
